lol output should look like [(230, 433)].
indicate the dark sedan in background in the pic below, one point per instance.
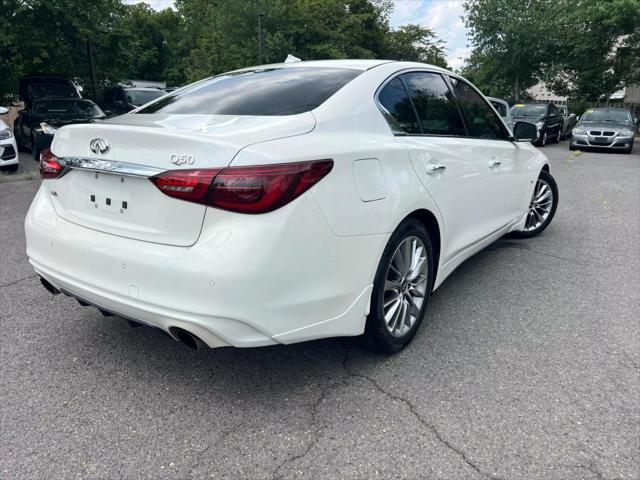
[(120, 100), (51, 101), (545, 116), (606, 128)]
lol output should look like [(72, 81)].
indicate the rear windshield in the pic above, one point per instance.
[(140, 97), (81, 108), (40, 90), (528, 110), (272, 91)]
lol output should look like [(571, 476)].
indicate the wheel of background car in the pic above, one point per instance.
[(542, 206), (543, 139), (401, 288)]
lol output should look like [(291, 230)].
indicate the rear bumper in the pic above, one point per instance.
[(249, 281), (613, 143)]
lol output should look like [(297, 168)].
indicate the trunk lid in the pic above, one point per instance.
[(123, 201)]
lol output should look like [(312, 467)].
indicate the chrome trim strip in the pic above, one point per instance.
[(110, 166)]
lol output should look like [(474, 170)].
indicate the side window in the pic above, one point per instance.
[(435, 107), (553, 111), (481, 120), (399, 111)]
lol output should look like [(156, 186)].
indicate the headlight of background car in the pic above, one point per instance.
[(539, 125), (5, 133), (626, 133), (48, 129), (579, 131)]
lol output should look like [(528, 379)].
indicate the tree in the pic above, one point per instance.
[(198, 39), (597, 51), (416, 44), (511, 39)]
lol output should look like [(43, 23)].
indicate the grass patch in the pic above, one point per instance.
[(3, 177), (29, 176)]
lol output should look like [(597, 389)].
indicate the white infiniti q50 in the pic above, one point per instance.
[(284, 203)]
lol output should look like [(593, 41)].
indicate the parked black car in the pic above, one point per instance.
[(545, 116), (50, 102), (605, 128), (570, 121), (119, 100)]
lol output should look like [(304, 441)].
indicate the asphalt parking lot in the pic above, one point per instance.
[(527, 367)]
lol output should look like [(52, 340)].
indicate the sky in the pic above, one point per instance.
[(442, 16)]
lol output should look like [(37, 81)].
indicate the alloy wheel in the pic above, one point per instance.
[(540, 206), (405, 286)]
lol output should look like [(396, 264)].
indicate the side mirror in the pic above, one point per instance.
[(524, 132), (4, 110)]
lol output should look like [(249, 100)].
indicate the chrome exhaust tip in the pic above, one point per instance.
[(50, 288), (186, 338)]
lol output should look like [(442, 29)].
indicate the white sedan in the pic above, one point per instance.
[(9, 159), (284, 203)]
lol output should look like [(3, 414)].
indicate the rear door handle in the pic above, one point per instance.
[(434, 168), (494, 163)]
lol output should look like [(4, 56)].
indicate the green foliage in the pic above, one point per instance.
[(198, 39), (597, 50), (416, 44), (581, 48), (510, 39)]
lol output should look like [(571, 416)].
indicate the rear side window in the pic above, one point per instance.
[(482, 121), (434, 105), (269, 91), (399, 111), (500, 107)]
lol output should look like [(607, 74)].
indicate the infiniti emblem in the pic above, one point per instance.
[(99, 145)]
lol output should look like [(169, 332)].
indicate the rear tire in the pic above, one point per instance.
[(540, 212), (401, 288)]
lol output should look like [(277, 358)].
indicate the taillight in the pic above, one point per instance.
[(265, 188), (49, 165), (191, 185), (255, 189)]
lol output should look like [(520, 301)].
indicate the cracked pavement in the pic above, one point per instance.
[(526, 367)]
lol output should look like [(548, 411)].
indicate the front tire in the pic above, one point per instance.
[(401, 288), (543, 139), (542, 207)]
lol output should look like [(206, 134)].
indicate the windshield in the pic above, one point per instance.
[(80, 108), (140, 97), (268, 91), (529, 110), (613, 115)]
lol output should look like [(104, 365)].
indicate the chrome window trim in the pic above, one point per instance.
[(110, 166)]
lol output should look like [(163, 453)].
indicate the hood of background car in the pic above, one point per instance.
[(612, 126), (40, 86), (62, 121)]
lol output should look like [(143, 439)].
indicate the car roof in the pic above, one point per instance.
[(496, 99), (148, 89), (353, 64)]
